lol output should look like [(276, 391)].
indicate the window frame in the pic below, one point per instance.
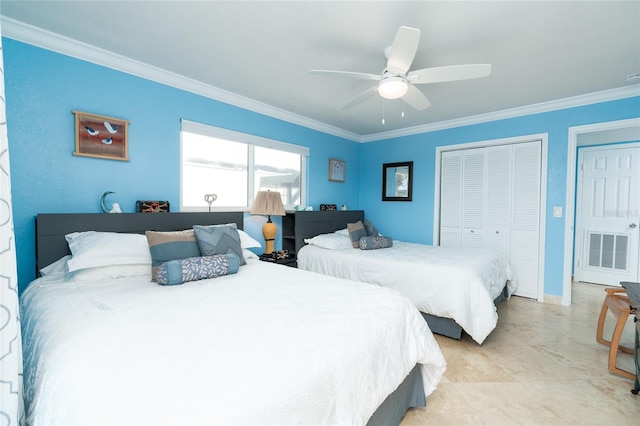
[(251, 141)]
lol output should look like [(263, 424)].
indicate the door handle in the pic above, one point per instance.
[(633, 225)]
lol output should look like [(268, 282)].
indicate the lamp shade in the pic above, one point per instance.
[(268, 203), (393, 87)]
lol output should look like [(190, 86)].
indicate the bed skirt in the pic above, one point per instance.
[(410, 393), (448, 327)]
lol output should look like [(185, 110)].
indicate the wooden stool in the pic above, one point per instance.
[(619, 304)]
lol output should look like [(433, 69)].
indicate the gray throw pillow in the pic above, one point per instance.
[(371, 229), (219, 239)]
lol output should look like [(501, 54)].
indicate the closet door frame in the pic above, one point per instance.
[(543, 137)]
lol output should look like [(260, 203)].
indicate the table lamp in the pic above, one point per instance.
[(269, 203)]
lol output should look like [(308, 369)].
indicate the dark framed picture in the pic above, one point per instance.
[(397, 181), (101, 137), (336, 170)]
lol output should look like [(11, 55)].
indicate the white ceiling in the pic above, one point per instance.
[(260, 52)]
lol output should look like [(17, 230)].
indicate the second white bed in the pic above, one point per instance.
[(460, 284)]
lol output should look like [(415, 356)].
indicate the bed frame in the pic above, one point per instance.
[(51, 245), (51, 228), (331, 221)]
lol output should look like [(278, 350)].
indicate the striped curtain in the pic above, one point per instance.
[(11, 403)]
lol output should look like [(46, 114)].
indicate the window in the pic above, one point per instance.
[(235, 166)]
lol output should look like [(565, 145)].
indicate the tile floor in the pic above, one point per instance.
[(540, 366)]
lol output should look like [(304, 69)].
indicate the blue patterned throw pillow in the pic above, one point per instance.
[(219, 239), (371, 229), (373, 243), (181, 271)]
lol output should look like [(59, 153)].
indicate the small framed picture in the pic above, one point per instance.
[(100, 136), (336, 170)]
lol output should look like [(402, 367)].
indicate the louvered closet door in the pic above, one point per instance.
[(490, 198), (525, 220), (497, 233), (473, 197), (451, 199)]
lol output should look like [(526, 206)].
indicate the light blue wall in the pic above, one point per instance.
[(414, 221), (43, 87)]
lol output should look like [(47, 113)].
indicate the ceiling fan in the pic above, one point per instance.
[(396, 81)]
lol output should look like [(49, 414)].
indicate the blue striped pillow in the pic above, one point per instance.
[(356, 231), (166, 246)]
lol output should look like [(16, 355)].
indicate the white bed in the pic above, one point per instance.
[(460, 284), (267, 345)]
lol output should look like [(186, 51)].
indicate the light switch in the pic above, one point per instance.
[(557, 212)]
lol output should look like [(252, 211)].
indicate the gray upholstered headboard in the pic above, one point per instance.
[(310, 224), (51, 228)]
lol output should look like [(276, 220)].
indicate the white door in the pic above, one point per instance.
[(608, 215), (473, 196), (451, 199), (497, 235), (525, 219)]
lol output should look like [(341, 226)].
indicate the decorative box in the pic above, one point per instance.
[(152, 206), (328, 207)]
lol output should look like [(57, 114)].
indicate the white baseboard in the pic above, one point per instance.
[(552, 300)]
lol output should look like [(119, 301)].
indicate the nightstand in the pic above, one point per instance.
[(287, 261)]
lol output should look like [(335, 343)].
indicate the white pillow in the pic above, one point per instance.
[(57, 267), (110, 272), (92, 249), (246, 241), (99, 273), (248, 254), (332, 241), (344, 231)]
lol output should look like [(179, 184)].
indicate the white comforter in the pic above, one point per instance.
[(269, 345), (447, 282)]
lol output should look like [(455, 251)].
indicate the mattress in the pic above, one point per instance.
[(456, 283), (268, 345)]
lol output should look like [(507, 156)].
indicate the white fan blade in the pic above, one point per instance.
[(348, 74), (403, 50), (416, 98), (361, 97), (449, 73)]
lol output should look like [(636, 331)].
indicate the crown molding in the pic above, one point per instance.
[(64, 45), (575, 101)]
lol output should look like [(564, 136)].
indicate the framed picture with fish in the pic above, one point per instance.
[(100, 136)]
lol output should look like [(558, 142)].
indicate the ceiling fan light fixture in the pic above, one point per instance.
[(633, 78), (393, 87)]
